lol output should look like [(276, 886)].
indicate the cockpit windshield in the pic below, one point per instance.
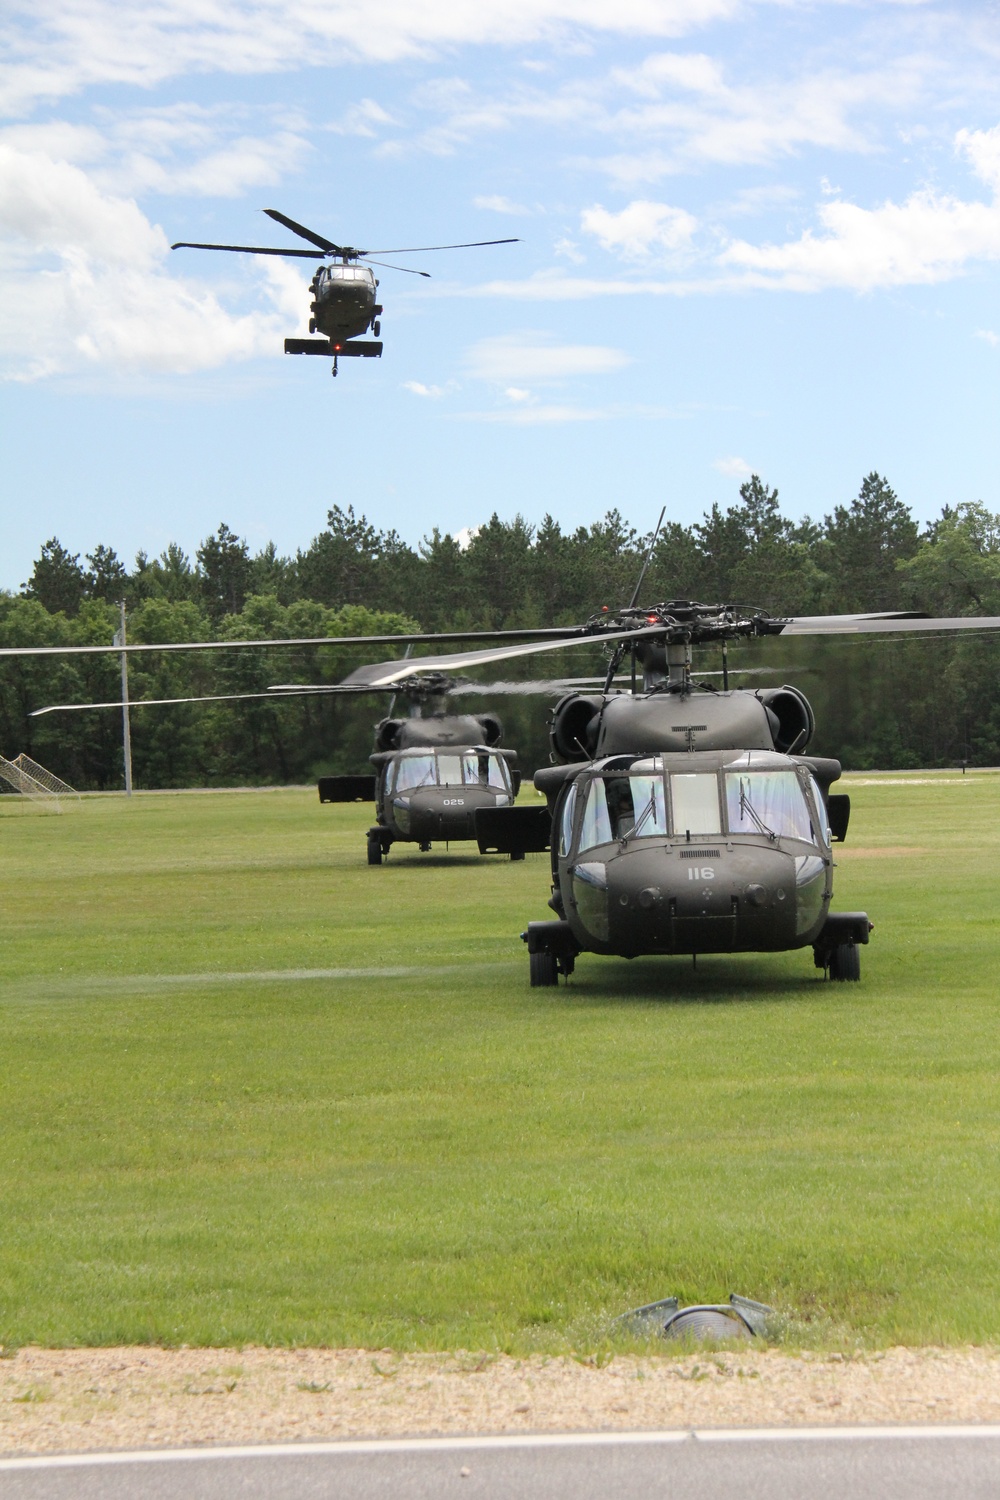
[(645, 801), (452, 768), (769, 802)]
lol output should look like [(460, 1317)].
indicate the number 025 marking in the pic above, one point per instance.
[(704, 873)]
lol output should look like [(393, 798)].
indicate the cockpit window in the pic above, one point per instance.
[(768, 802), (413, 771), (637, 806), (450, 770), (486, 770), (595, 825), (695, 797)]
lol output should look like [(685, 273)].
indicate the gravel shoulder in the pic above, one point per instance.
[(76, 1399)]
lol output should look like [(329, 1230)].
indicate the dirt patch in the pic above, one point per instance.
[(77, 1399)]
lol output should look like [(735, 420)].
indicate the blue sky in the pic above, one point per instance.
[(754, 237)]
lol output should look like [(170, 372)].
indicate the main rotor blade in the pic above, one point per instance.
[(244, 249), (419, 249), (58, 708), (385, 264), (383, 673), (882, 625), (563, 633), (304, 233)]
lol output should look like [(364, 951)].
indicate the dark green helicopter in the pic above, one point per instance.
[(437, 772), (434, 769), (345, 295), (681, 818)]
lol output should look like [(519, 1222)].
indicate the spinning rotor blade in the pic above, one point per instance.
[(419, 249), (244, 249), (304, 640), (880, 624), (385, 673), (408, 269), (58, 708), (307, 234)]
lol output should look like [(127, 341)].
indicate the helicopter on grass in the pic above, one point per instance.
[(345, 294), (684, 818), (681, 818), (433, 769)]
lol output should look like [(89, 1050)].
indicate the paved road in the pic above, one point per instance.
[(789, 1464)]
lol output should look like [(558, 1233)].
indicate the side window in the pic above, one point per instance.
[(820, 813), (595, 827), (566, 821)]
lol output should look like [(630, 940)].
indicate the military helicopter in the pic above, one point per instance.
[(680, 818), (684, 818), (344, 304), (433, 769)]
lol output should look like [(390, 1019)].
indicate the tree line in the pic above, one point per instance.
[(921, 702)]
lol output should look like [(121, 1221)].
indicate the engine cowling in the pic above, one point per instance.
[(791, 718), (492, 728), (574, 725)]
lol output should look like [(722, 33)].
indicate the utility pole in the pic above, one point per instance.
[(126, 727)]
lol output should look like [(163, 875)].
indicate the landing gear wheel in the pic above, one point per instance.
[(543, 969), (376, 328), (517, 854), (845, 962), (375, 853)]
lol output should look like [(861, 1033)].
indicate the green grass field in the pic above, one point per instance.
[(203, 1143)]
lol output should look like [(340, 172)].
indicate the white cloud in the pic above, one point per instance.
[(363, 119), (497, 204), (928, 238), (68, 45), (428, 392), (987, 334), (641, 229), (87, 285), (463, 538), (569, 250), (554, 286), (982, 147), (733, 468), (517, 393), (687, 101), (181, 149), (534, 356)]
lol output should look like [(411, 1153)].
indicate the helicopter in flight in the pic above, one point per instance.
[(345, 294)]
